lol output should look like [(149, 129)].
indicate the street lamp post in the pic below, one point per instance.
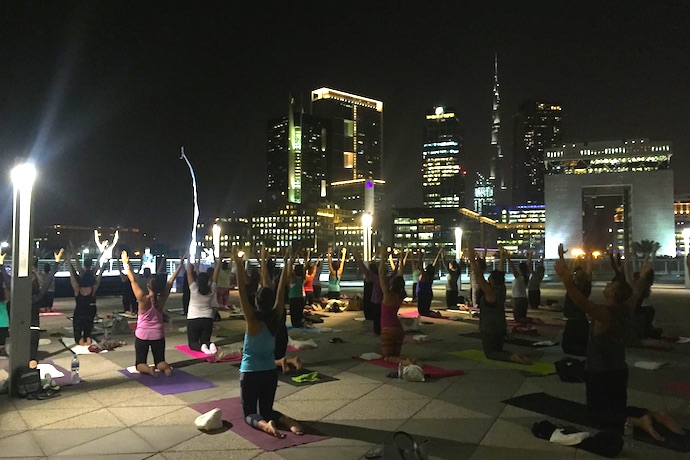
[(686, 248), (366, 235), (21, 331), (216, 241), (458, 253)]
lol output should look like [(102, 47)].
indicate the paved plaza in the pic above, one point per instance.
[(111, 416)]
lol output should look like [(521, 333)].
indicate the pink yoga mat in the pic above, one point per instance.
[(678, 387), (178, 382), (431, 371), (51, 313), (210, 358), (232, 412)]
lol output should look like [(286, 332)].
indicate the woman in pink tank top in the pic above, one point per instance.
[(392, 333), (150, 329)]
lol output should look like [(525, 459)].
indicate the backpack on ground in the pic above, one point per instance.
[(26, 382)]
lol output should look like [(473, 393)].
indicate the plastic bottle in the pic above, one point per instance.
[(75, 370), (400, 371)]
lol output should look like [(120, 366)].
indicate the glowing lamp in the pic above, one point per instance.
[(577, 252), (23, 177), (458, 243), (216, 240)]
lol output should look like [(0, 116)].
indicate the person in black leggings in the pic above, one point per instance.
[(258, 375), (85, 286)]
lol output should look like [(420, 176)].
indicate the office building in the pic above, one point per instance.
[(443, 177), (296, 160), (354, 145), (537, 126), (484, 194), (608, 194)]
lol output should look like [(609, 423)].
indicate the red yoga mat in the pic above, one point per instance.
[(433, 372), (232, 412)]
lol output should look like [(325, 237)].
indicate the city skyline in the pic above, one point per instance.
[(102, 97)]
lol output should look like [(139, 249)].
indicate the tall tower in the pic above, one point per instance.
[(537, 126), (443, 178), (496, 172), (355, 147), (296, 157)]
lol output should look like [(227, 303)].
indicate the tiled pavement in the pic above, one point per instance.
[(110, 416)]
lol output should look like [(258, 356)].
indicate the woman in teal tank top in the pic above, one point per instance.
[(258, 374), (335, 272)]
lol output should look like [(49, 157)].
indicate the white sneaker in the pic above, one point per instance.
[(204, 349), (213, 348)]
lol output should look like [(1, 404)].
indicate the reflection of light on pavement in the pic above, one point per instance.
[(192, 244)]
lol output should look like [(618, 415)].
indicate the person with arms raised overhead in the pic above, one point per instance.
[(150, 333), (335, 273), (258, 374)]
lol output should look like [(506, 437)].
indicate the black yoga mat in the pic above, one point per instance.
[(512, 340), (576, 413)]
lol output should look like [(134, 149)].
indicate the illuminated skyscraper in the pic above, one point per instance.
[(355, 147), (537, 126), (484, 198), (496, 168), (296, 158), (443, 178)]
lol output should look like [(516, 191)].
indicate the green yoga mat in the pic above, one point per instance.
[(478, 355)]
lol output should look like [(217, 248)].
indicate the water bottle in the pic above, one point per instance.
[(400, 371), (75, 370), (628, 435)]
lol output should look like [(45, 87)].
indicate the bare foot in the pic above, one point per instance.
[(33, 364), (82, 342), (89, 341), (165, 368), (273, 430), (668, 422), (282, 362), (646, 423), (296, 429), (146, 369), (520, 359), (296, 362)]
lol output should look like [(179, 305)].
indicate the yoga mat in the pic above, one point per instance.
[(415, 314), (70, 343), (51, 313), (433, 372), (65, 379), (678, 387), (512, 322), (287, 378), (232, 412), (178, 382), (536, 368), (511, 340), (573, 412), (210, 358)]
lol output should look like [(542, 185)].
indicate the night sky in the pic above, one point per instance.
[(102, 95)]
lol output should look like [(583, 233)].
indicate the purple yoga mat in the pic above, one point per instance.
[(178, 382), (232, 412)]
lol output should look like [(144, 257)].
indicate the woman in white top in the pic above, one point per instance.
[(200, 312)]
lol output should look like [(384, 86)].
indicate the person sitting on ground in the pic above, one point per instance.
[(452, 278), (534, 286), (492, 316), (308, 284), (519, 288), (371, 276), (85, 287), (425, 291), (200, 313), (296, 295), (129, 302), (47, 276), (316, 268), (605, 365), (474, 287), (150, 332), (223, 290), (392, 334), (335, 273), (258, 374), (5, 286), (282, 338), (576, 331), (417, 265)]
